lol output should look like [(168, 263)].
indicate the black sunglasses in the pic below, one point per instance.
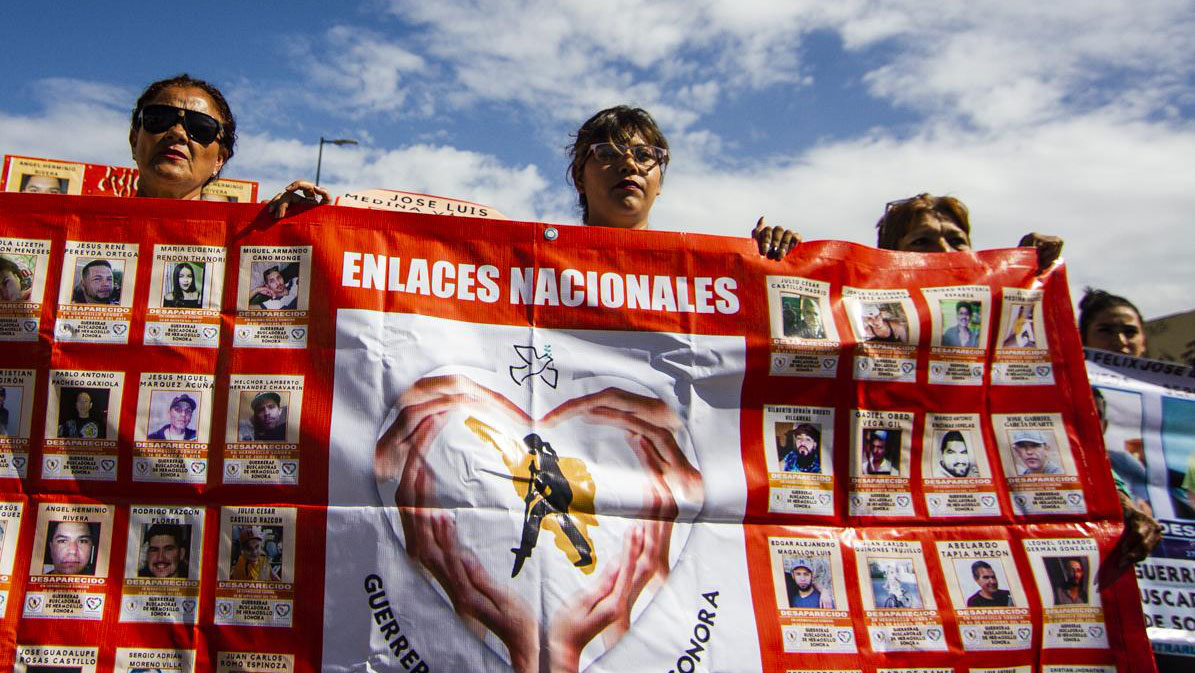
[(202, 128)]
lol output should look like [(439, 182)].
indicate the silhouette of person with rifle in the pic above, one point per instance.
[(548, 492)]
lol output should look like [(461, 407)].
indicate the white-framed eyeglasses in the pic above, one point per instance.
[(646, 156)]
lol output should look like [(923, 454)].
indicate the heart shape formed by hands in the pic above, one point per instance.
[(562, 525)]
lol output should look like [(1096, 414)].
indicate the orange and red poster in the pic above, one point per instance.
[(31, 175), (361, 440)]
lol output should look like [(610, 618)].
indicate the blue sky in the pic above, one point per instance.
[(1076, 118)]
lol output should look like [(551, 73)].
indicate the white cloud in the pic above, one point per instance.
[(1119, 195), (1053, 117), (995, 63), (82, 121), (518, 191), (369, 71), (567, 58)]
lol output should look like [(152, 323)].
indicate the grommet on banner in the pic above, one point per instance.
[(550, 234)]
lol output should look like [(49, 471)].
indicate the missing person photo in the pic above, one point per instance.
[(10, 410), (174, 415), (883, 322), (798, 447), (16, 278), (894, 584), (1070, 579), (97, 281), (183, 285), (983, 582), (808, 583), (44, 184), (1020, 331), (881, 452), (801, 316), (71, 548), (961, 322), (954, 456), (263, 415), (1034, 452), (83, 413), (274, 286), (165, 551), (256, 553)]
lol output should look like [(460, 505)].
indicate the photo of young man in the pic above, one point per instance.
[(881, 452), (964, 333), (989, 595), (166, 551), (265, 418), (801, 449), (43, 184), (803, 588), (71, 547), (955, 459), (178, 426), (1033, 451), (1069, 580), (98, 283)]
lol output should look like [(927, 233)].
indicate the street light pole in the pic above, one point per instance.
[(324, 141)]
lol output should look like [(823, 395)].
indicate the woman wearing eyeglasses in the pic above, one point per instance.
[(618, 163), (182, 134), (926, 223)]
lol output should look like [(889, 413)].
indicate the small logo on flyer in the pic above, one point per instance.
[(534, 364)]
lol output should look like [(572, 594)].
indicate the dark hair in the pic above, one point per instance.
[(94, 263), (183, 399), (810, 430), (614, 124), (172, 529), (178, 289), (1095, 302), (262, 398), (62, 182), (980, 565), (228, 127), (93, 530), (265, 275), (900, 216), (10, 266), (952, 436)]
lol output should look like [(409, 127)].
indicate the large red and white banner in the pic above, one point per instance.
[(357, 440)]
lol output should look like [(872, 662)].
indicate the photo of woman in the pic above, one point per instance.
[(184, 287)]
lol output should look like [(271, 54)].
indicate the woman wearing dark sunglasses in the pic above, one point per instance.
[(182, 134), (618, 163)]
